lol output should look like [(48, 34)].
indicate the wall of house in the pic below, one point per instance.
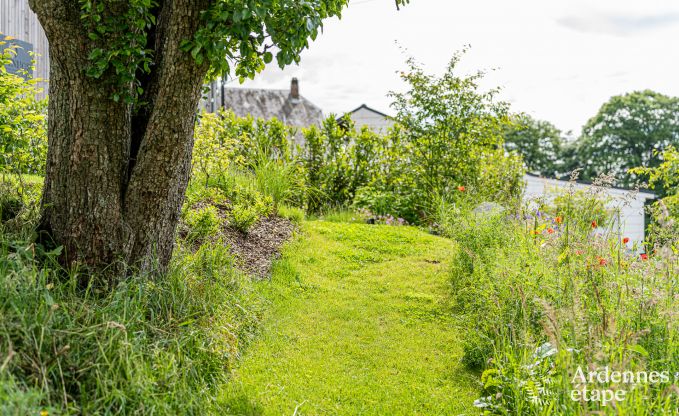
[(631, 204), (376, 122), (18, 20)]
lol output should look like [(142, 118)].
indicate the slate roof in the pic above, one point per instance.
[(268, 104), (363, 106)]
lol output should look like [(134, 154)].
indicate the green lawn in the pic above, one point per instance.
[(358, 324)]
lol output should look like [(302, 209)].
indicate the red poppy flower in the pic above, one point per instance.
[(625, 240), (644, 256), (558, 220), (602, 261), (550, 230), (461, 188), (594, 224), (579, 252)]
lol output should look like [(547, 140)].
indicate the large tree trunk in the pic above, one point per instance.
[(158, 181), (116, 174)]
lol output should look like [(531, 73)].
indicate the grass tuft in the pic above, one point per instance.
[(161, 347)]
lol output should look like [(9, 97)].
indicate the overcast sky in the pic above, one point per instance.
[(556, 60)]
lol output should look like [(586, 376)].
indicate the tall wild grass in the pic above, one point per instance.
[(148, 347), (555, 289)]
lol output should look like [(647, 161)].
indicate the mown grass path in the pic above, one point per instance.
[(358, 324)]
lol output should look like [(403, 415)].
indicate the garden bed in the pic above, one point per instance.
[(256, 250)]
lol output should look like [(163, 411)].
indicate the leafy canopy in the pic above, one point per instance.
[(628, 131), (664, 179), (237, 37), (452, 136), (538, 142)]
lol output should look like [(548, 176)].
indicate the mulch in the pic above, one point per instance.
[(256, 251)]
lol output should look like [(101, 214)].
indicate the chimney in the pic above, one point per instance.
[(294, 89)]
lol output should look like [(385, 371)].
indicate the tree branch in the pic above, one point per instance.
[(59, 18)]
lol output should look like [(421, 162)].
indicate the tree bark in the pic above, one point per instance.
[(116, 174), (157, 185)]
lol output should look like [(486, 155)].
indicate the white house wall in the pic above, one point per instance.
[(632, 214), (376, 122)]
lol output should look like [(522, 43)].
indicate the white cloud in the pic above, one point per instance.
[(620, 25), (559, 62)]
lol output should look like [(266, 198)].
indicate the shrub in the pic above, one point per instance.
[(664, 179), (214, 149), (23, 122), (243, 217), (203, 222), (377, 201), (223, 140), (327, 162), (451, 136), (197, 193), (19, 203)]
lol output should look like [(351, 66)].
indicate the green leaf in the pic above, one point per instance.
[(268, 57), (638, 349), (96, 54), (185, 45), (195, 51)]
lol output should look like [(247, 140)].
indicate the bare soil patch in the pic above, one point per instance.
[(257, 250)]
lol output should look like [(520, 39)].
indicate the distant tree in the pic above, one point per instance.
[(629, 131), (569, 156), (538, 142)]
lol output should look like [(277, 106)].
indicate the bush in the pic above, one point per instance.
[(197, 193), (664, 179), (338, 161), (19, 203), (23, 122), (203, 222), (377, 201), (451, 138), (224, 141), (243, 217)]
